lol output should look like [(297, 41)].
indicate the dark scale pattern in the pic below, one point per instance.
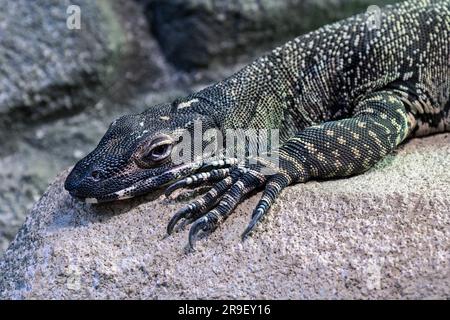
[(343, 97)]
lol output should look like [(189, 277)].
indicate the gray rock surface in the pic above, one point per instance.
[(46, 67), (206, 33), (47, 72), (383, 234)]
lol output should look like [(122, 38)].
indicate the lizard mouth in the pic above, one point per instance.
[(142, 186)]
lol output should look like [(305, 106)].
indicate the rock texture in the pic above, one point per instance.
[(384, 234), (48, 73), (49, 70), (206, 33), (42, 60)]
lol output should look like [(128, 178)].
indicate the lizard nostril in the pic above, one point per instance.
[(95, 175)]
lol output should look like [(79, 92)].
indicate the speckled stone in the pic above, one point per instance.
[(47, 67), (209, 33), (383, 234), (48, 73)]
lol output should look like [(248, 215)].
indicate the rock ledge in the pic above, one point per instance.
[(384, 234)]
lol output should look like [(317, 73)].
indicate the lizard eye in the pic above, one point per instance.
[(154, 153), (158, 153)]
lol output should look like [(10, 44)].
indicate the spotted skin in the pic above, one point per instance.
[(342, 98)]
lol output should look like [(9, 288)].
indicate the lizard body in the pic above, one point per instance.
[(342, 98)]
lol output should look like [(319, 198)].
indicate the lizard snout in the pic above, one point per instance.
[(79, 181), (72, 183)]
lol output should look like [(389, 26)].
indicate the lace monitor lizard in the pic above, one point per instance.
[(342, 98)]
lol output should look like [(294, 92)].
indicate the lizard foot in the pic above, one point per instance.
[(245, 184), (200, 206), (209, 210)]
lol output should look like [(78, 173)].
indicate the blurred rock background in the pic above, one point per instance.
[(60, 88)]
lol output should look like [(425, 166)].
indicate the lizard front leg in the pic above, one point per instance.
[(332, 149), (340, 148)]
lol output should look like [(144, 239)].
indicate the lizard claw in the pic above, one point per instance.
[(273, 188), (180, 214), (174, 186), (199, 225), (256, 217), (250, 227)]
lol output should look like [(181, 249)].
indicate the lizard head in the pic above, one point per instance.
[(136, 155)]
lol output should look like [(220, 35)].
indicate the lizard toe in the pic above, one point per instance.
[(247, 183)]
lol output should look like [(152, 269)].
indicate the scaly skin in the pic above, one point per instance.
[(342, 98)]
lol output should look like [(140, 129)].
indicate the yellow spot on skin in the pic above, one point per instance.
[(164, 118), (366, 163), (356, 152), (341, 140), (321, 157), (310, 147), (392, 99), (186, 104)]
